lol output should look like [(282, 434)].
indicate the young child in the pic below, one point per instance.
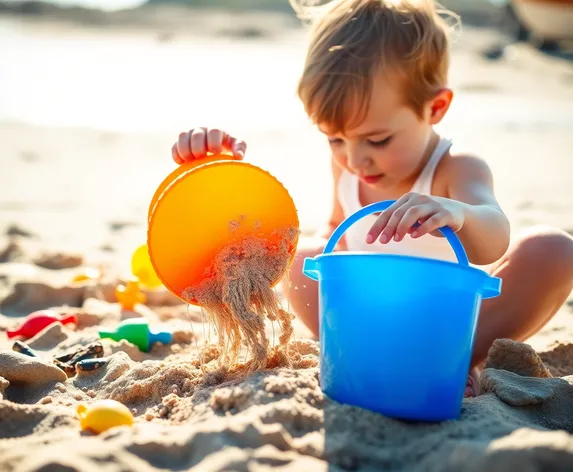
[(375, 83)]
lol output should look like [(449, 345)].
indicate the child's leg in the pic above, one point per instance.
[(537, 274), (302, 292)]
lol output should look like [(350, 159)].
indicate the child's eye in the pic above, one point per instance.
[(335, 140), (381, 143)]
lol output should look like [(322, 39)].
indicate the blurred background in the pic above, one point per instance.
[(94, 92)]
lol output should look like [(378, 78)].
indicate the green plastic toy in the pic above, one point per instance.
[(136, 331)]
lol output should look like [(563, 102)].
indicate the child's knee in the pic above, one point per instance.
[(548, 248)]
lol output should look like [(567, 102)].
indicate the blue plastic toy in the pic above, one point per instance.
[(396, 331)]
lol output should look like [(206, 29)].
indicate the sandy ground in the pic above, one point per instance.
[(85, 139)]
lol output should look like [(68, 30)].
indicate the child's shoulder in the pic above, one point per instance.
[(461, 168)]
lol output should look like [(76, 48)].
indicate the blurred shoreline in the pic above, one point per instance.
[(242, 18), (167, 22)]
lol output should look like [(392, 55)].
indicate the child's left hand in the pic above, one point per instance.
[(430, 212)]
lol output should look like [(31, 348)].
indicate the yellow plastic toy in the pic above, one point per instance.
[(204, 205), (130, 294), (142, 268), (89, 273), (102, 415)]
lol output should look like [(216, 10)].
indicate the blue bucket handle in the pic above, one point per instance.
[(452, 238)]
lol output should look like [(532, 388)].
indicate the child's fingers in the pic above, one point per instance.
[(411, 217), (239, 148), (184, 146), (176, 156), (419, 222), (389, 231), (430, 225), (215, 141), (377, 227), (236, 146), (381, 222), (199, 143)]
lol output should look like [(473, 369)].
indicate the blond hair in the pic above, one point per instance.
[(353, 41)]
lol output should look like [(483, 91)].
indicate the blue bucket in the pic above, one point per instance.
[(397, 332)]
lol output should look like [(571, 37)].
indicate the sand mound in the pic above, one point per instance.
[(190, 413), (49, 337), (27, 296), (559, 360), (282, 418), (19, 369), (277, 417)]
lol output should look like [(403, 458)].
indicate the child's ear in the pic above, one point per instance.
[(439, 105)]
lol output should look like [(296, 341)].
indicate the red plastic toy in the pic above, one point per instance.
[(37, 321)]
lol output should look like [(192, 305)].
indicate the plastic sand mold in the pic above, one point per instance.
[(205, 205)]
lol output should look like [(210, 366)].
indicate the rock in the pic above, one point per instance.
[(15, 230), (57, 261), (49, 337), (515, 357), (23, 348), (3, 386), (13, 252), (18, 368), (110, 368), (89, 365), (516, 390), (68, 361)]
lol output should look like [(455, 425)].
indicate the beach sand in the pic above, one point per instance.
[(84, 141)]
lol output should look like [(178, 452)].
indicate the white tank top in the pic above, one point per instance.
[(425, 246)]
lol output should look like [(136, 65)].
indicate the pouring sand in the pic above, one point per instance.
[(240, 296)]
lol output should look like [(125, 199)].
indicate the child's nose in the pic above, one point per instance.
[(358, 161)]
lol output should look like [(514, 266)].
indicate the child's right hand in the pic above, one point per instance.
[(196, 143)]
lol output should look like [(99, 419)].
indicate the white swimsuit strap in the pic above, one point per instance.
[(348, 193), (423, 184)]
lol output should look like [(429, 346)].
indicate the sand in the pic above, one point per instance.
[(238, 298), (76, 179), (275, 418)]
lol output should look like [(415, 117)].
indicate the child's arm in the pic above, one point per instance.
[(485, 232), (471, 211), (337, 215)]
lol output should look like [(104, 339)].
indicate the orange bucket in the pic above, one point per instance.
[(195, 213)]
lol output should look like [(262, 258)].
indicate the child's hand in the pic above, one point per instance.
[(430, 212), (195, 144)]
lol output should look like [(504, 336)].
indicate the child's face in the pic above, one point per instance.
[(390, 145)]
